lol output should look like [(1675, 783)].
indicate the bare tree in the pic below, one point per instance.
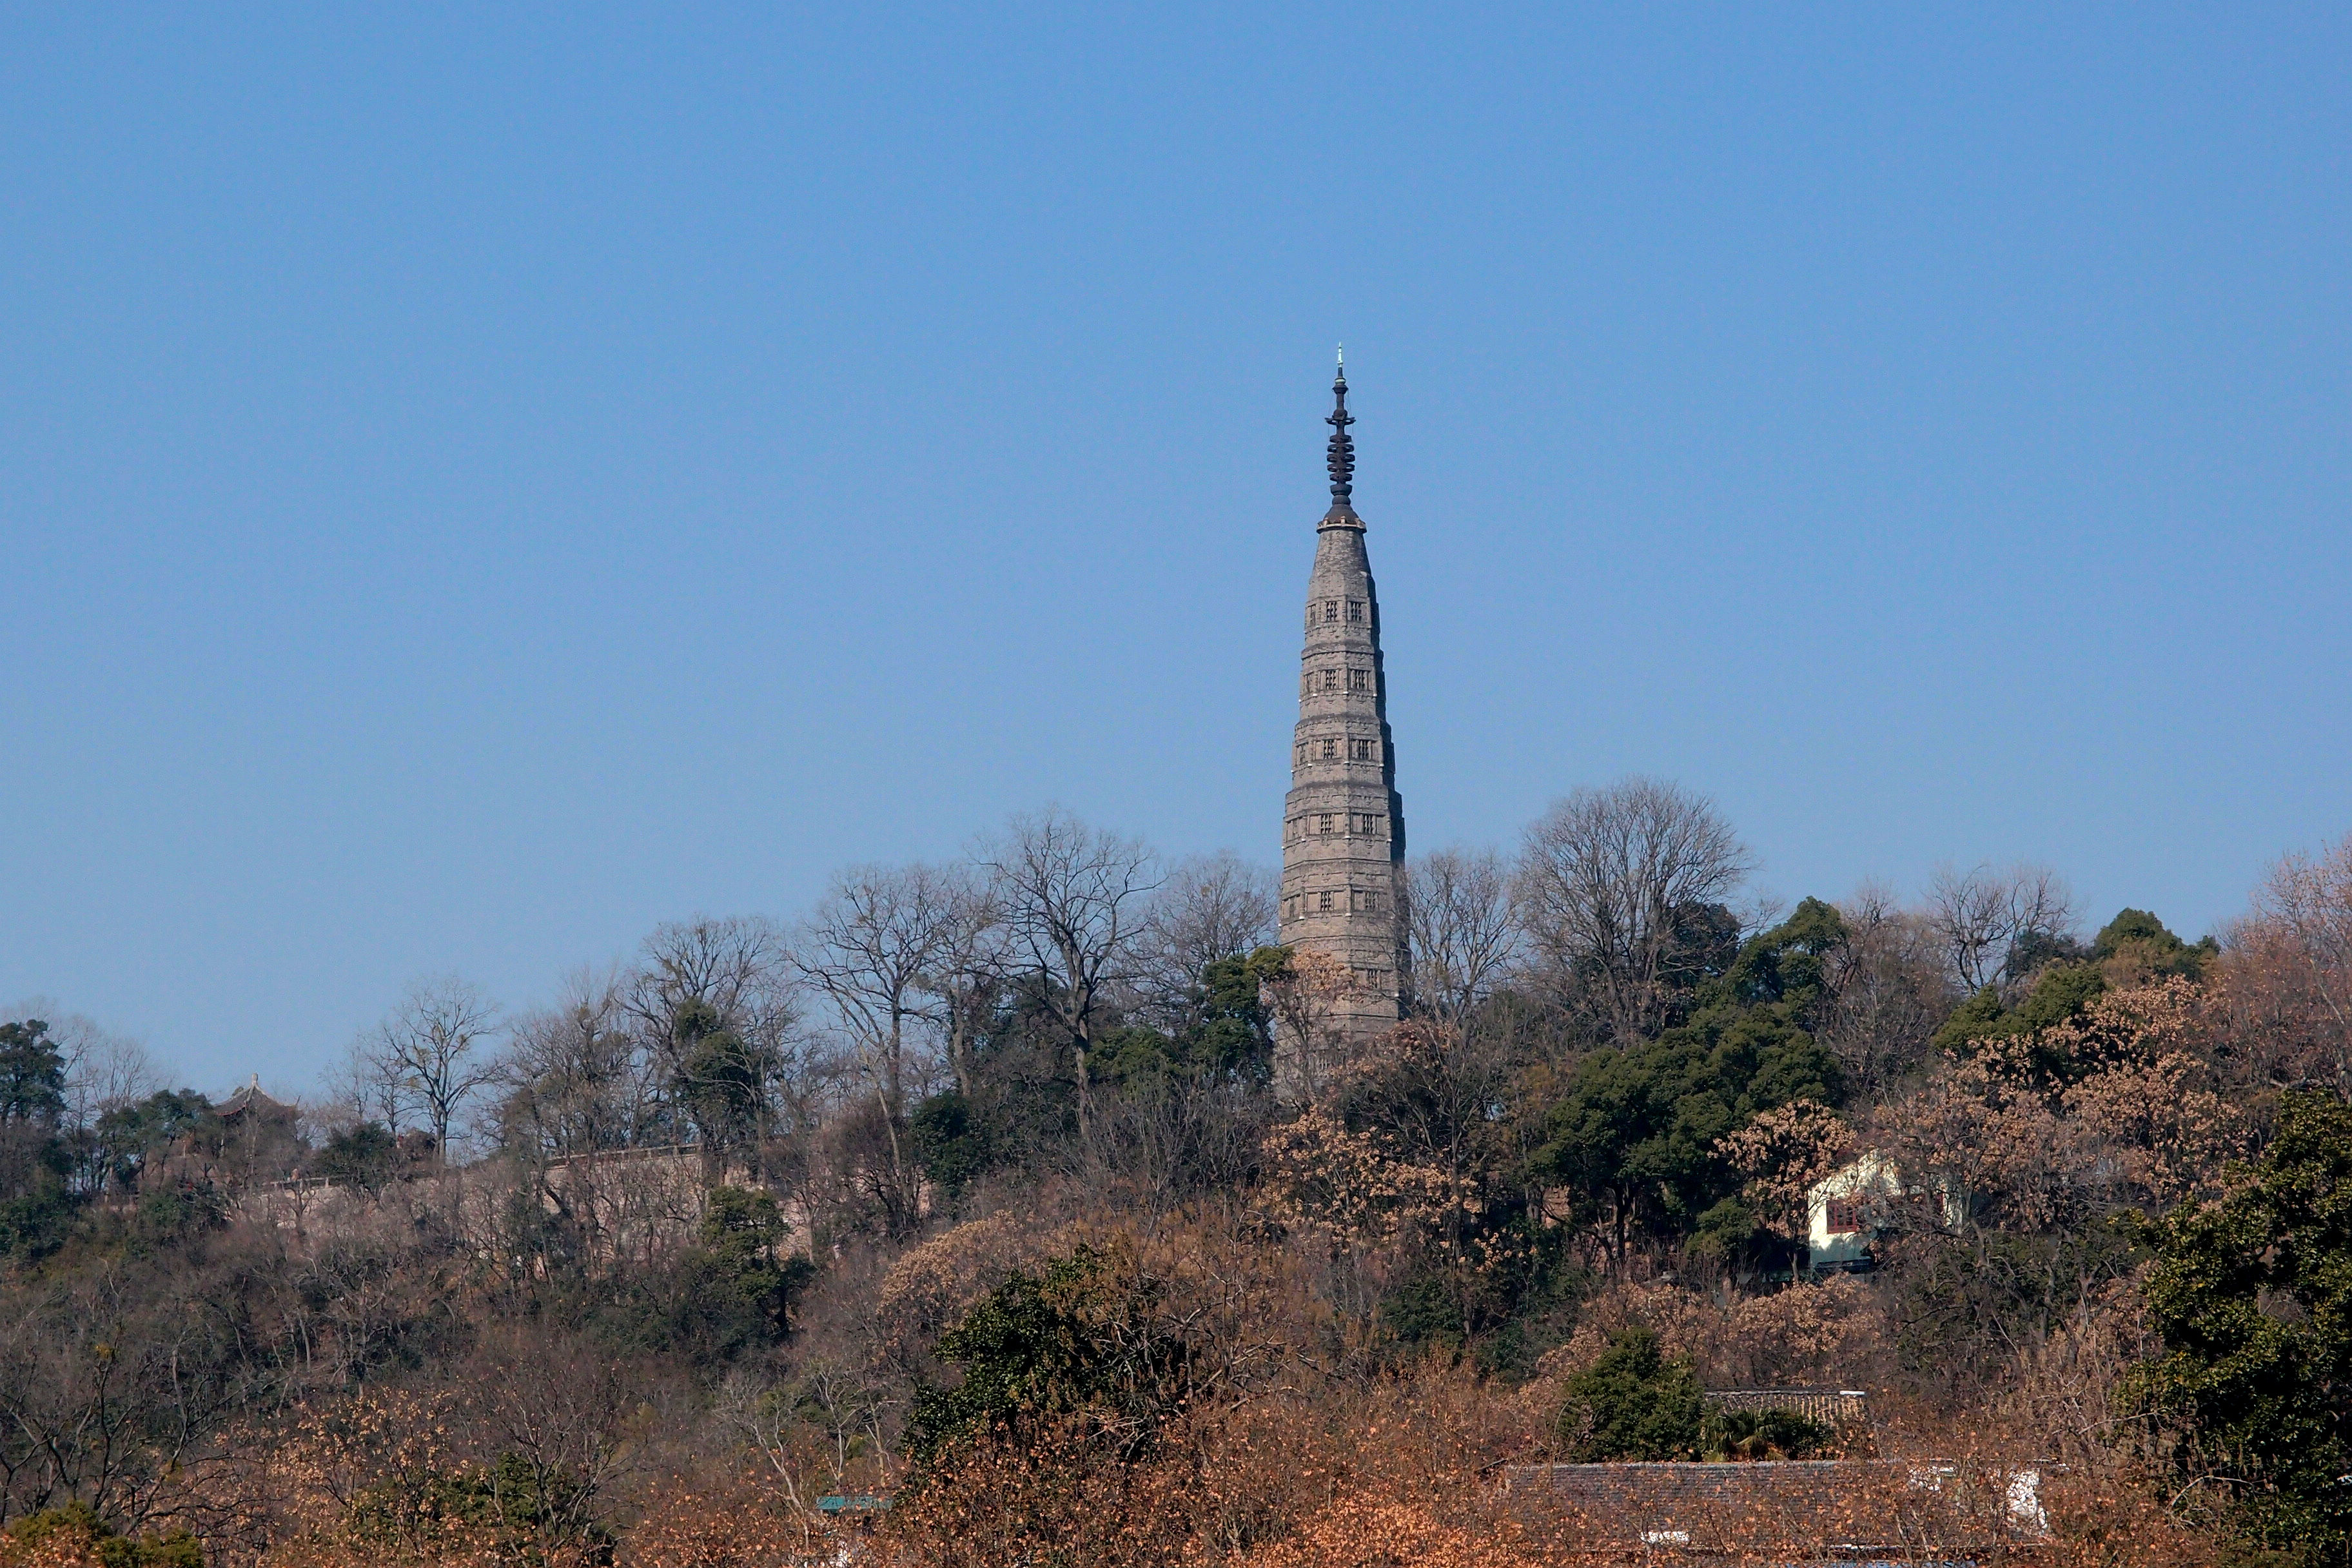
[(558, 1413), (1210, 907), (369, 1085), (1072, 896), (1313, 1050), (870, 950), (2290, 969), (1464, 934), (427, 1053), (576, 1078), (714, 1000), (808, 1430), (1984, 916), (969, 977), (1609, 882), (737, 967), (114, 1383), (104, 1070), (1889, 991)]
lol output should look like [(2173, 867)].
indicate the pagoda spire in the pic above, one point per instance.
[(1343, 446)]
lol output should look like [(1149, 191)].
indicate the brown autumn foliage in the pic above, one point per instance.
[(1293, 1465), (550, 1365), (1368, 1529), (1806, 1334), (1352, 1188), (2285, 976), (71, 1547), (930, 1284), (1246, 1482), (727, 1524), (2144, 1121), (1784, 1152)]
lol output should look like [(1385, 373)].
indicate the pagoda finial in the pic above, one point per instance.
[(1343, 448)]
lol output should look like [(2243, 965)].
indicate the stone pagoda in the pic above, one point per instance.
[(1343, 825)]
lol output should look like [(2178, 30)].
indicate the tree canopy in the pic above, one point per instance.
[(2251, 1297)]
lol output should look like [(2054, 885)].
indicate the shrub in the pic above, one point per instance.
[(75, 1535), (1634, 1404)]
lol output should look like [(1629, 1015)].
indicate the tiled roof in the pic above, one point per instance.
[(250, 1097), (1846, 1407), (1888, 1508)]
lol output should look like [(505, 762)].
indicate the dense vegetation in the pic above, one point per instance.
[(1044, 1197)]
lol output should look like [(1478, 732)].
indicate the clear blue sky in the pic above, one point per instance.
[(477, 482)]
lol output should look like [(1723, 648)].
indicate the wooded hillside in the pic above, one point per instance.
[(969, 1192)]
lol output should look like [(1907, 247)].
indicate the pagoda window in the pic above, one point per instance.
[(1332, 611), (1355, 610)]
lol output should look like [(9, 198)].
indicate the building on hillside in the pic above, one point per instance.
[(1343, 822), (249, 1107), (248, 1137), (1850, 1208)]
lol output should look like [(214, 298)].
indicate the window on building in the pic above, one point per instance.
[(1355, 609), (1331, 749), (1331, 681), (1323, 823), (1845, 1216), (1323, 900), (1359, 751), (1359, 680), (1331, 610), (1302, 750), (1371, 901)]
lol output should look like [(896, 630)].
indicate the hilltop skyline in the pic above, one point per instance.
[(477, 490)]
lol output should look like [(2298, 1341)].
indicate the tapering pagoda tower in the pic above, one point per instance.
[(1343, 825)]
